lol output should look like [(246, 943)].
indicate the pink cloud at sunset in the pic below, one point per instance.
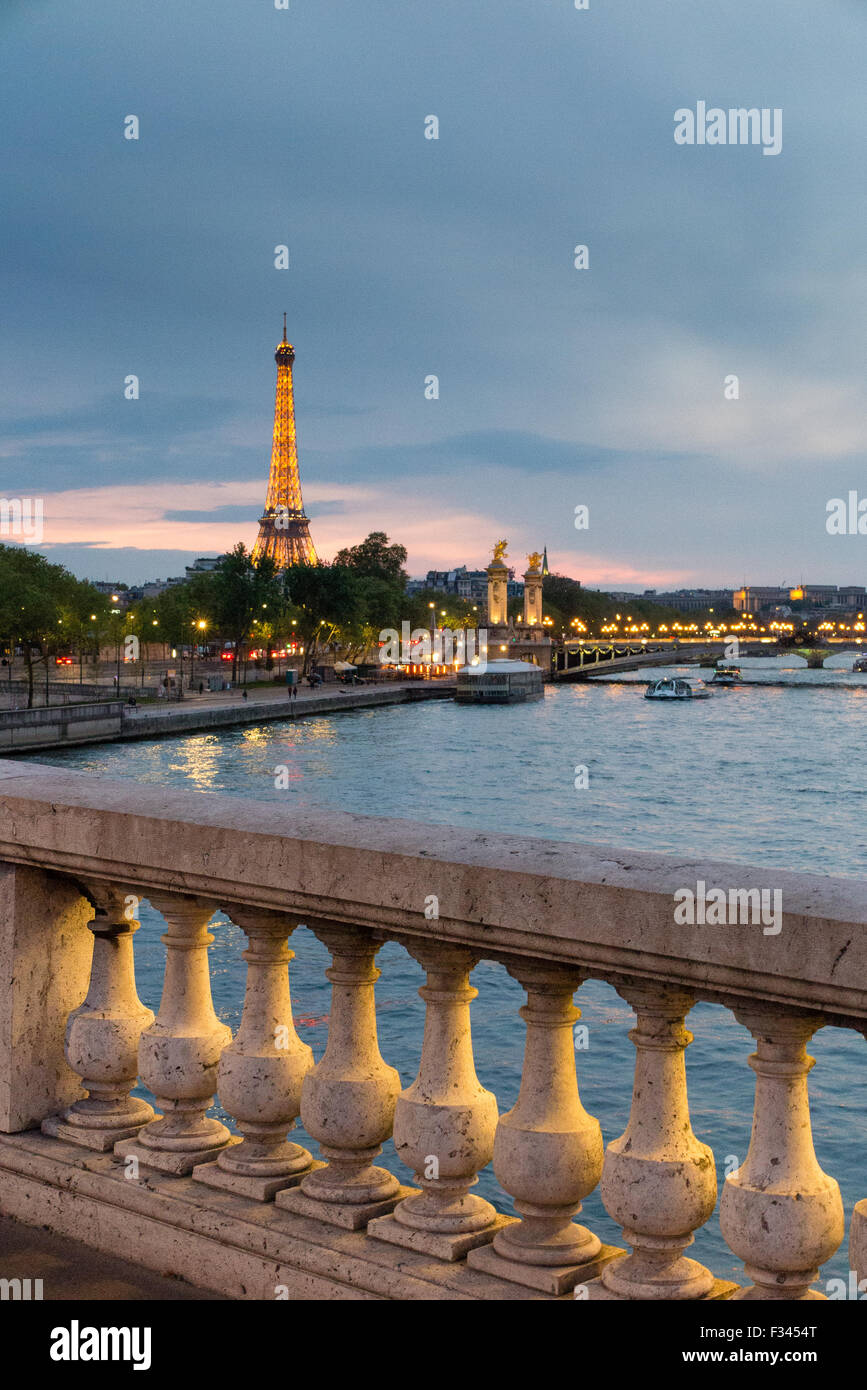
[(141, 516)]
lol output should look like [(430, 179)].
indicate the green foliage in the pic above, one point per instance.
[(448, 610), (375, 558), (327, 597), (44, 607), (242, 595)]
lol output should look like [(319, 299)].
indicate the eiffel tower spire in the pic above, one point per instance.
[(284, 531)]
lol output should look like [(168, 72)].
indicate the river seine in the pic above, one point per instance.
[(771, 773)]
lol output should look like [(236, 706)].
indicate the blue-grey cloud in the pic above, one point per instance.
[(452, 257)]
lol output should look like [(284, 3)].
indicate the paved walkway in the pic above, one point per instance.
[(74, 1273), (262, 695)]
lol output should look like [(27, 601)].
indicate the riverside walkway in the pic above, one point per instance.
[(31, 730)]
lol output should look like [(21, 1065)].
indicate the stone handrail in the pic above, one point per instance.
[(554, 914)]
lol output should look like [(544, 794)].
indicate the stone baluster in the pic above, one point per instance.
[(444, 1123), (260, 1073), (347, 1100), (102, 1035), (658, 1180), (179, 1052), (779, 1212), (547, 1149)]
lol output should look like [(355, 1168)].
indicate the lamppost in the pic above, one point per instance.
[(155, 622), (200, 625), (92, 633)]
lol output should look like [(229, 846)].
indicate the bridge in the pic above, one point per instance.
[(580, 661), (573, 661), (254, 1215)]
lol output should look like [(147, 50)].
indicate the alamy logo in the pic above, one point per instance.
[(739, 907), (443, 647), (20, 1290), (740, 125), (21, 516), (77, 1343), (846, 517)]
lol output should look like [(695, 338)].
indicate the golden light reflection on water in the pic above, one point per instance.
[(198, 761)]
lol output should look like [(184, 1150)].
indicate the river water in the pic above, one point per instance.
[(771, 773)]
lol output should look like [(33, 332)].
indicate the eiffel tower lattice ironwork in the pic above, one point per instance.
[(284, 531)]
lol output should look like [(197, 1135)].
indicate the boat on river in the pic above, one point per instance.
[(727, 675), (674, 688)]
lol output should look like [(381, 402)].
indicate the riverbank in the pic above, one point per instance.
[(224, 711)]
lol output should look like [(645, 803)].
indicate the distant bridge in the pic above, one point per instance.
[(572, 661), (576, 661)]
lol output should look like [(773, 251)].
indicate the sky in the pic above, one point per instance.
[(409, 257)]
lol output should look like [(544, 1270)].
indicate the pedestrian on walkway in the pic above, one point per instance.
[(243, 694)]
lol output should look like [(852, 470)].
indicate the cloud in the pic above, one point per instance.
[(454, 257)]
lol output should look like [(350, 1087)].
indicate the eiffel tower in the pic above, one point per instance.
[(284, 531)]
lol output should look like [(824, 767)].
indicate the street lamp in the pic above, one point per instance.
[(201, 625)]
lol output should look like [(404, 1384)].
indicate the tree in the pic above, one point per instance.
[(375, 558), (328, 597), (448, 610), (42, 605), (240, 591), (380, 605)]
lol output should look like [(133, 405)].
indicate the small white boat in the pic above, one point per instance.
[(673, 688)]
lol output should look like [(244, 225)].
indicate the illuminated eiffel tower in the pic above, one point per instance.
[(284, 531)]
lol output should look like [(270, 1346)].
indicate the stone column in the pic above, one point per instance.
[(779, 1212), (46, 953), (102, 1035), (444, 1123), (533, 594), (179, 1052), (498, 594), (658, 1180), (547, 1149), (347, 1100), (260, 1073)]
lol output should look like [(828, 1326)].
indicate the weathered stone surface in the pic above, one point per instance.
[(261, 1189), (441, 1245), (102, 1035), (780, 1212), (261, 1071), (552, 1279), (347, 1100), (605, 910), (221, 1242), (444, 1123), (858, 1240), (180, 1051), (547, 1149), (579, 908), (351, 1216), (659, 1180), (45, 952)]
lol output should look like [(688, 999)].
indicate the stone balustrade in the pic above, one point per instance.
[(256, 1214)]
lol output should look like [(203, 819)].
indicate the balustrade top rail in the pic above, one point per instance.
[(609, 911)]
